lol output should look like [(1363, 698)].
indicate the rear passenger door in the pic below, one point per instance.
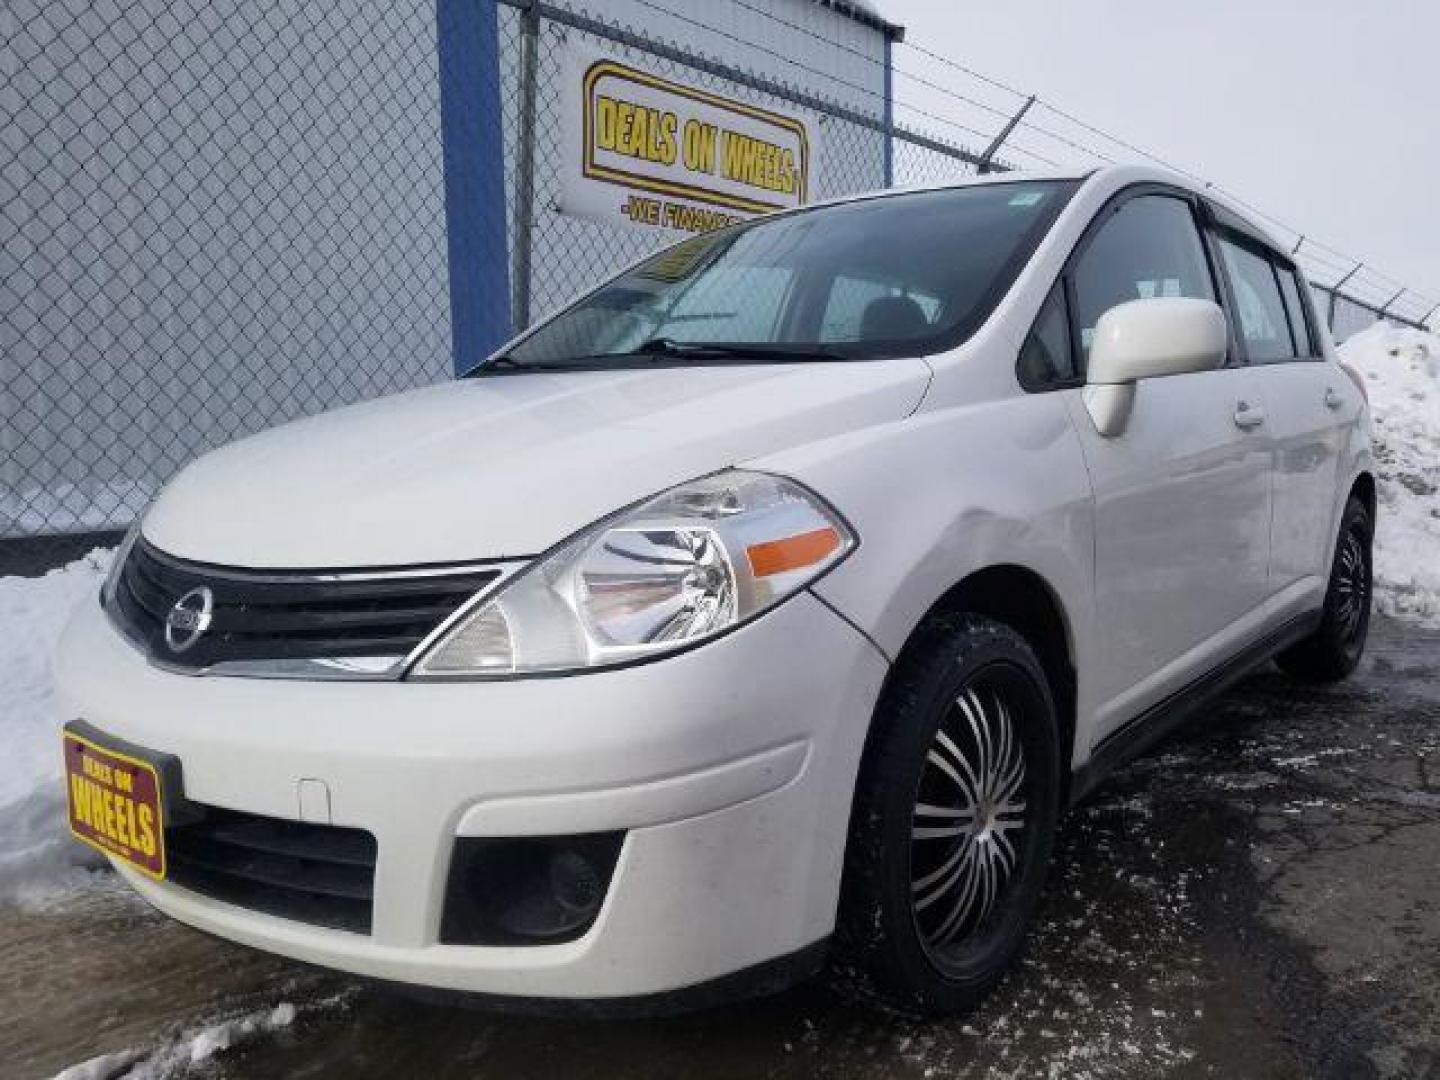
[(1306, 401), (1182, 496)]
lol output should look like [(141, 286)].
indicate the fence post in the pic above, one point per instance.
[(889, 112), (525, 162), (1335, 290), (984, 164), (472, 150), (1386, 306), (1354, 270)]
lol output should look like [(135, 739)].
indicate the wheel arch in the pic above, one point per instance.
[(1025, 601), (1363, 488)]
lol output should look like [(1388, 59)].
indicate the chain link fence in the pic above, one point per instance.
[(219, 217), (214, 218), (557, 254), (547, 245)]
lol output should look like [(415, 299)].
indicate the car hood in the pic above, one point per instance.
[(503, 466)]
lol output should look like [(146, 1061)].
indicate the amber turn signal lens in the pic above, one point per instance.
[(792, 553)]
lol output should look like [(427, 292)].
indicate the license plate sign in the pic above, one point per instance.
[(116, 804)]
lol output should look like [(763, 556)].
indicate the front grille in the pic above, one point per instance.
[(262, 616), (318, 874)]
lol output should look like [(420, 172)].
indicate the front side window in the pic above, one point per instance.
[(1148, 247), (899, 275), (1259, 308)]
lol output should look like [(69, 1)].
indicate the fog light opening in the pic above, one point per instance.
[(527, 891)]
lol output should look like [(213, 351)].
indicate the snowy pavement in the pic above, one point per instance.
[(187, 1051)]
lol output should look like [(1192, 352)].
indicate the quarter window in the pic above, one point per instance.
[(1150, 247), (1259, 307), (1045, 358)]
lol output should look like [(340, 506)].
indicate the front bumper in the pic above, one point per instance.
[(730, 768)]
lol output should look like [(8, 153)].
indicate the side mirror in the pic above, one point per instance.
[(1148, 339)]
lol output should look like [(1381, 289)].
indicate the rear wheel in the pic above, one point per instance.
[(954, 818), (1335, 648)]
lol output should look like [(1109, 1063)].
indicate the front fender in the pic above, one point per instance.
[(947, 492)]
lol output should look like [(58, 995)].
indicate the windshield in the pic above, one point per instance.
[(900, 275)]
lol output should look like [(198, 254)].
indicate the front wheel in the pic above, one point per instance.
[(954, 818), (1334, 649)]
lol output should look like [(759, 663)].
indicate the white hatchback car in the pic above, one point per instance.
[(775, 598)]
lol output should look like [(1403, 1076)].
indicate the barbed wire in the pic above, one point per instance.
[(1339, 262), (1026, 123)]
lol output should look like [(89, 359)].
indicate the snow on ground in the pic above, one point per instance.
[(185, 1051), (1401, 369), (36, 853)]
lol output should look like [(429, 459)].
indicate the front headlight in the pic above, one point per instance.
[(680, 568)]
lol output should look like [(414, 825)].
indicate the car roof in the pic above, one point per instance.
[(1110, 178)]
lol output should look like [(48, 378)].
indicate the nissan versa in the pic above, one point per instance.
[(772, 601)]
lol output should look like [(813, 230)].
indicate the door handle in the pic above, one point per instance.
[(1332, 399), (1248, 416)]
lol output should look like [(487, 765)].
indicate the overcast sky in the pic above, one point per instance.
[(1321, 112)]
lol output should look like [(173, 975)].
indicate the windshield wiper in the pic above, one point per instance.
[(660, 350), (764, 352), (505, 364)]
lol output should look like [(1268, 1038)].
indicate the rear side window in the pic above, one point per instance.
[(1149, 247), (1259, 307), (1295, 307)]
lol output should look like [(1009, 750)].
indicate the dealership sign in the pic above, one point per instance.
[(659, 154)]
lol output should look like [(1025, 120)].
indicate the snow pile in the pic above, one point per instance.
[(1401, 369), (35, 850), (186, 1051)]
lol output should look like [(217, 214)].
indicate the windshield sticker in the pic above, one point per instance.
[(1026, 198)]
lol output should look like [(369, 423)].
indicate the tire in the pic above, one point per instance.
[(1335, 648), (935, 902)]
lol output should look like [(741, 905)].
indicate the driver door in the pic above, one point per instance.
[(1182, 497)]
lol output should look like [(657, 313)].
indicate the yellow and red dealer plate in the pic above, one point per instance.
[(115, 804)]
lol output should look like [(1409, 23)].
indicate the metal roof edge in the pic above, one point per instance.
[(862, 13)]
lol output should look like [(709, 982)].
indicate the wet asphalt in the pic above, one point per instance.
[(1259, 897)]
